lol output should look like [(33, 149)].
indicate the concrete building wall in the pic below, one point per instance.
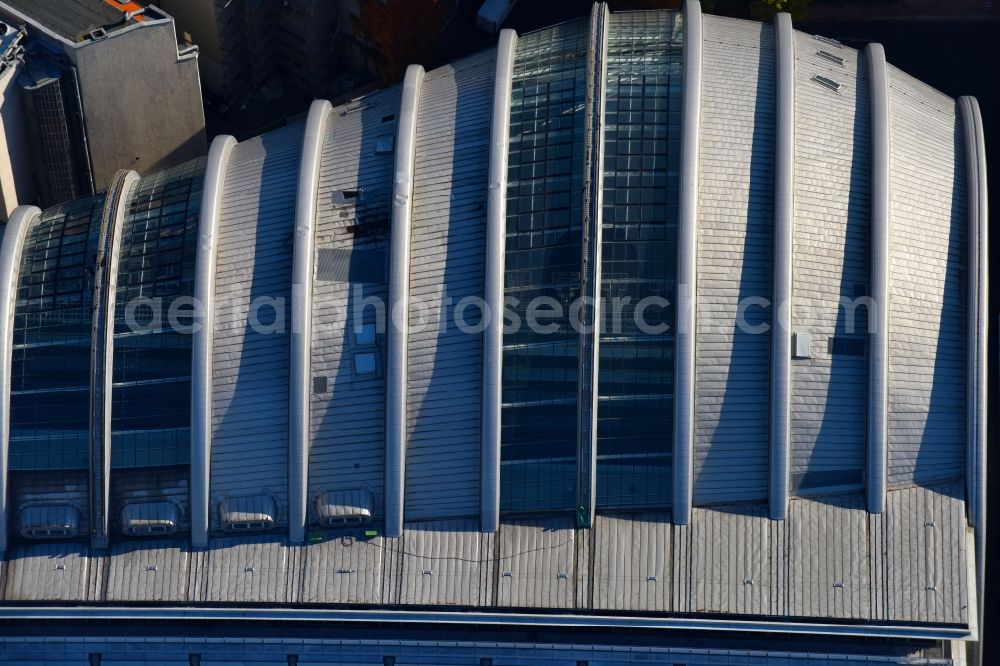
[(198, 20), (142, 103), (16, 182)]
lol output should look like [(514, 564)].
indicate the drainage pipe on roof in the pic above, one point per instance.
[(977, 203), (202, 338), (301, 338), (14, 234), (687, 251), (878, 371), (496, 231), (102, 347), (399, 301), (781, 307)]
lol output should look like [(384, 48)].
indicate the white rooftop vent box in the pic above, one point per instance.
[(53, 521), (247, 514), (345, 507), (801, 345), (150, 518)]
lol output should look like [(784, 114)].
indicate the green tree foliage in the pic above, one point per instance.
[(764, 10)]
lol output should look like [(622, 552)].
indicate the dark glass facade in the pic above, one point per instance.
[(50, 371), (639, 262), (51, 368), (544, 218), (151, 393)]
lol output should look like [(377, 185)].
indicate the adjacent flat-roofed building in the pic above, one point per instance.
[(348, 371), (16, 177), (103, 85)]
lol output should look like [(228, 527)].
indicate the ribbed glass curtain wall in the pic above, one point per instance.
[(638, 265), (639, 258), (51, 368), (50, 371), (544, 222), (151, 392)]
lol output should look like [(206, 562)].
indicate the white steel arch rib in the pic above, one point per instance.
[(878, 371), (687, 257), (14, 234), (399, 288), (301, 336), (781, 307), (977, 203), (202, 339), (496, 232)]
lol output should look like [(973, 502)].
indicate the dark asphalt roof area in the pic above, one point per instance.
[(72, 19)]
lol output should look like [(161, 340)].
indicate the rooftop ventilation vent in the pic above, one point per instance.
[(384, 144), (847, 346), (828, 40), (98, 34), (345, 197), (247, 514), (826, 83), (826, 55), (150, 518), (345, 507), (56, 521)]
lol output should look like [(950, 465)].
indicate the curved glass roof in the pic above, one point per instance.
[(151, 391), (50, 370)]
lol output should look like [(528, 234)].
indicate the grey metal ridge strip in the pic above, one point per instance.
[(102, 353), (590, 273)]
